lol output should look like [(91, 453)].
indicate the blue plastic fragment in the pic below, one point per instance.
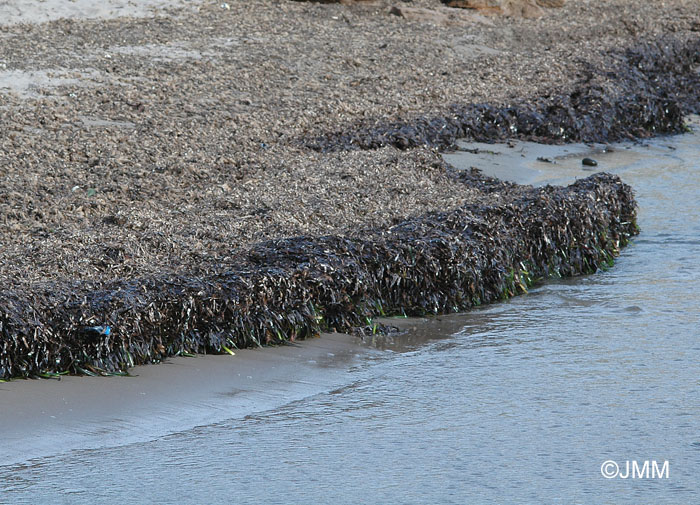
[(102, 330)]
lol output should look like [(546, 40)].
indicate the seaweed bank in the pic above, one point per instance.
[(248, 175)]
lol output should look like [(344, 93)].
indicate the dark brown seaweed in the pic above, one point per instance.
[(645, 92), (293, 288)]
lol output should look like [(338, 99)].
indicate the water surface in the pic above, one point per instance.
[(515, 403)]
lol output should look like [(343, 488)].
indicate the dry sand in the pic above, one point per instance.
[(40, 11)]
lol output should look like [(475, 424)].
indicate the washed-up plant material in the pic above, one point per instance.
[(293, 288), (646, 92)]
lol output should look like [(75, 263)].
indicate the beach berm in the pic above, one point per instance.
[(243, 173)]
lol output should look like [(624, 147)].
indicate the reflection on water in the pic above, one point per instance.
[(519, 402)]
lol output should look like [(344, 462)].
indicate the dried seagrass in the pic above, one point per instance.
[(293, 288), (647, 93)]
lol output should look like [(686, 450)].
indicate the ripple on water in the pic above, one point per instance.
[(519, 402)]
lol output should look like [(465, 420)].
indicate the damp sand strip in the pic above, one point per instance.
[(188, 392), (290, 289), (77, 412)]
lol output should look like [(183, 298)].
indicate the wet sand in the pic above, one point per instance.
[(48, 417), (530, 163), (535, 164)]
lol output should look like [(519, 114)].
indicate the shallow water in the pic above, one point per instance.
[(519, 402)]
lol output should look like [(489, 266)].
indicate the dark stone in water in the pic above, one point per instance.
[(589, 162)]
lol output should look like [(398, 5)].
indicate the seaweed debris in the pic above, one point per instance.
[(293, 288), (646, 91)]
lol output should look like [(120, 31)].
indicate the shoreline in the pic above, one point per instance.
[(42, 418), (122, 278), (204, 390), (187, 392), (294, 288)]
